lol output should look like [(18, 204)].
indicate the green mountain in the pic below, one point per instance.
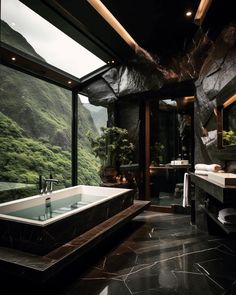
[(99, 115), (36, 117)]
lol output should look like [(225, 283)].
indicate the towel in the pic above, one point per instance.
[(186, 190), (228, 215), (205, 167), (201, 172), (223, 221)]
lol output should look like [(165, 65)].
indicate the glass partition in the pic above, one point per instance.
[(170, 151), (35, 134), (90, 119)]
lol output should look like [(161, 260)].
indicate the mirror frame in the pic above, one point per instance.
[(222, 97)]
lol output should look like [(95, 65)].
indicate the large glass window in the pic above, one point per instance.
[(44, 40), (35, 133), (35, 116), (90, 119)]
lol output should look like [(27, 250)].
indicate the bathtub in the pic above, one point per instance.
[(41, 223)]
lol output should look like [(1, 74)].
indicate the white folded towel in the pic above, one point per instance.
[(205, 167), (228, 215), (223, 221), (202, 172), (186, 190)]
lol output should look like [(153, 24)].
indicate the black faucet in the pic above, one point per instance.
[(46, 185)]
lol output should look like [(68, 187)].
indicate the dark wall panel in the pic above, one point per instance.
[(218, 70)]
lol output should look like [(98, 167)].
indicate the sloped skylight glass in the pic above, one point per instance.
[(55, 47)]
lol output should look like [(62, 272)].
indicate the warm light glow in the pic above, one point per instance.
[(188, 13), (230, 100), (13, 58), (189, 98), (69, 82), (113, 22), (201, 11)]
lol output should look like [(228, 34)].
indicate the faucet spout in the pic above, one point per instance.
[(49, 184)]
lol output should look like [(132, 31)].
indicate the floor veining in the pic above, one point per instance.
[(158, 254)]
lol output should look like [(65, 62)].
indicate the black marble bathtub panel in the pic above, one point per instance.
[(120, 203), (42, 240), (128, 199), (20, 236)]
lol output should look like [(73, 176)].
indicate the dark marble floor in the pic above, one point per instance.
[(157, 253), (166, 199)]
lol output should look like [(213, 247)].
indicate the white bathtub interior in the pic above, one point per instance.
[(47, 208)]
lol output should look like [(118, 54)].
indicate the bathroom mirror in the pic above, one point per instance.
[(229, 123), (226, 116)]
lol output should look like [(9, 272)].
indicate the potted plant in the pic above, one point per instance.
[(113, 148)]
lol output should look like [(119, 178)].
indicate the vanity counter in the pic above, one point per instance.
[(210, 197)]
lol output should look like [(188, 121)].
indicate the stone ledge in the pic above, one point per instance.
[(41, 268)]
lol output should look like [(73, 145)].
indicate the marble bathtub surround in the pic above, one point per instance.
[(42, 267), (159, 254), (43, 239)]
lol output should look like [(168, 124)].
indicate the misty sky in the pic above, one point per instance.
[(49, 42)]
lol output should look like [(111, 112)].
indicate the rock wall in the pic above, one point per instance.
[(218, 69), (139, 75)]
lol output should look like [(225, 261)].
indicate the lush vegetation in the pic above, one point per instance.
[(229, 137), (23, 159), (112, 146), (35, 127)]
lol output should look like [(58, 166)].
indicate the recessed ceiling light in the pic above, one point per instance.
[(188, 13), (112, 61), (13, 58), (69, 82)]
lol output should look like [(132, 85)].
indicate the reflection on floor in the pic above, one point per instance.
[(167, 199), (156, 253)]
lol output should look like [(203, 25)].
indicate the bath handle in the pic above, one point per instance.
[(49, 181)]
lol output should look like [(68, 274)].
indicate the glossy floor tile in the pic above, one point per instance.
[(166, 199), (157, 253)]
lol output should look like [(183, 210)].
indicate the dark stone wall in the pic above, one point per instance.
[(218, 69), (139, 75), (128, 117)]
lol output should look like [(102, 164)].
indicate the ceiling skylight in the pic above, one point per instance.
[(49, 42)]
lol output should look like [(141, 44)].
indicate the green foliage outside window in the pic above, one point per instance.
[(112, 146), (229, 137)]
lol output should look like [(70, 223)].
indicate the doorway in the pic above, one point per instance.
[(170, 149)]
